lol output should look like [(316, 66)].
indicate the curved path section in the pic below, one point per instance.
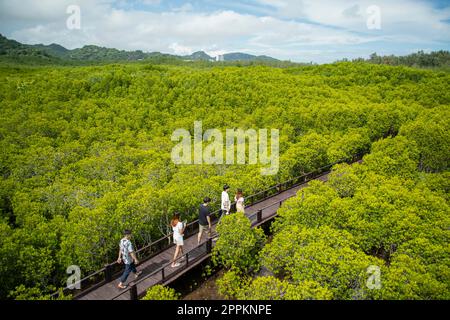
[(157, 270)]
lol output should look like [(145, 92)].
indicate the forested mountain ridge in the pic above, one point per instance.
[(12, 48), (86, 154), (13, 51), (238, 56), (52, 49), (434, 59)]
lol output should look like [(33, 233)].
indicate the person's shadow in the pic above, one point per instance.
[(153, 267)]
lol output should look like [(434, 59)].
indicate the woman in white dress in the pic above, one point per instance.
[(239, 198), (178, 232)]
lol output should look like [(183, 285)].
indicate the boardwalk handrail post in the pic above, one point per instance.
[(133, 292), (209, 246), (162, 274), (108, 273), (259, 216)]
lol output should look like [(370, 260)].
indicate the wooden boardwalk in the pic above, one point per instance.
[(197, 254)]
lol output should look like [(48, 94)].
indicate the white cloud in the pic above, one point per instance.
[(180, 50), (150, 2), (399, 17), (294, 30), (44, 11), (184, 8)]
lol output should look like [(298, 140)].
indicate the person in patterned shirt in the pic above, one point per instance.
[(128, 257)]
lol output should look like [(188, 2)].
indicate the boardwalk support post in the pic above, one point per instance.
[(259, 216), (108, 273), (162, 274), (133, 292), (209, 246)]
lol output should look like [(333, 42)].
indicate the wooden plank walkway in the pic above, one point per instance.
[(110, 291)]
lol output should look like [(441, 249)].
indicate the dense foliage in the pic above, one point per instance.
[(159, 292), (239, 244), (236, 286), (86, 154), (382, 214), (434, 59)]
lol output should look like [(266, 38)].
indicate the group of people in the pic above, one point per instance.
[(238, 199), (204, 220), (127, 254)]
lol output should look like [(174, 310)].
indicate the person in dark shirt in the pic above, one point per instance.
[(204, 220)]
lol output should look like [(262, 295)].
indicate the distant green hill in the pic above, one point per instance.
[(198, 56), (14, 48), (16, 51), (12, 51), (238, 56), (95, 53), (52, 49), (234, 56)]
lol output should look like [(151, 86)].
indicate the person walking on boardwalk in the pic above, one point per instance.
[(178, 232), (128, 257), (239, 198), (204, 220), (225, 204)]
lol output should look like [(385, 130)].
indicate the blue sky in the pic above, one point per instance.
[(299, 30)]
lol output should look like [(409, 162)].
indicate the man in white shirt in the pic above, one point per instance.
[(225, 205)]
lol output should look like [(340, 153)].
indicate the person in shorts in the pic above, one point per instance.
[(204, 220), (178, 232)]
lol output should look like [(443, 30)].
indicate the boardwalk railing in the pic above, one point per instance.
[(111, 271), (199, 253), (166, 272)]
